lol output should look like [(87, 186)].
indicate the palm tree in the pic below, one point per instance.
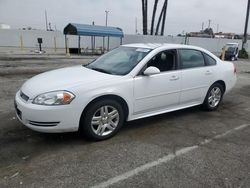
[(163, 13), (153, 17), (164, 18), (145, 16)]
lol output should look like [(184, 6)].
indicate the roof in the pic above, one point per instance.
[(158, 45), (233, 43), (92, 30), (164, 46)]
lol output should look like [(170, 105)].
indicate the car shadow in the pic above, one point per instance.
[(128, 126)]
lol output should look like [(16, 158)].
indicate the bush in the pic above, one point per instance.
[(243, 54)]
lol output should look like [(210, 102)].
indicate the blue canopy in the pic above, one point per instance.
[(92, 30)]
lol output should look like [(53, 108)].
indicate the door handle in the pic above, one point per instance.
[(173, 78), (208, 72)]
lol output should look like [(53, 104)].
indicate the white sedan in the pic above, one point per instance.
[(130, 82)]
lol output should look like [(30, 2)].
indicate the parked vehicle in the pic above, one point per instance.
[(231, 51), (130, 82)]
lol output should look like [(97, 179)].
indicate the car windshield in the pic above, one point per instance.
[(119, 61), (230, 48)]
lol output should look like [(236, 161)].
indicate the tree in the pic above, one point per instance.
[(162, 14), (161, 20), (164, 18), (153, 17), (145, 16)]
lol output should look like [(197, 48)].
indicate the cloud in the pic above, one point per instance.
[(182, 15)]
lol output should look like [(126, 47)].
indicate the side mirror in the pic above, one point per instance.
[(151, 71)]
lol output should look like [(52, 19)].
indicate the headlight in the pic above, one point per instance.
[(54, 98)]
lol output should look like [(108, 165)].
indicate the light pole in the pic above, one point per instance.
[(46, 20), (107, 12)]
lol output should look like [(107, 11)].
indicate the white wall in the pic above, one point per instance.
[(12, 38)]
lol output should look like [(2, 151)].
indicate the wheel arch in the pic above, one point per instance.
[(222, 83), (117, 98)]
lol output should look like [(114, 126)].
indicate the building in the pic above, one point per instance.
[(4, 26), (224, 35)]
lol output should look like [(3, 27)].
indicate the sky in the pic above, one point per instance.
[(182, 15)]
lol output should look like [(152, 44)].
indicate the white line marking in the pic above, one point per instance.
[(164, 159), (244, 77)]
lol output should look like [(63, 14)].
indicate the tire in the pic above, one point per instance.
[(214, 97), (102, 119)]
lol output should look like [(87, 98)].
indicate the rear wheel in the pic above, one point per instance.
[(214, 97), (102, 119)]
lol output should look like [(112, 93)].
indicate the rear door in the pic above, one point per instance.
[(196, 76)]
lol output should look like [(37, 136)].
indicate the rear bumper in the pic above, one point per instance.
[(49, 119), (231, 83)]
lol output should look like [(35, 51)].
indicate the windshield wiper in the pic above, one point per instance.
[(100, 70)]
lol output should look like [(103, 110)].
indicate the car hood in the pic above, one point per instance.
[(63, 79)]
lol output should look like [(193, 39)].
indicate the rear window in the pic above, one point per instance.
[(191, 58), (209, 60)]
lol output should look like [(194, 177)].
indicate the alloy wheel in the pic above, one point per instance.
[(214, 97), (105, 120)]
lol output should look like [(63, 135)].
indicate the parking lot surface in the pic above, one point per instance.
[(186, 148)]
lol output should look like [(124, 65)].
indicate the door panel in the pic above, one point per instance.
[(156, 92), (195, 75), (195, 84)]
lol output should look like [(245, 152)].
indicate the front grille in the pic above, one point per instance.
[(23, 96), (44, 124)]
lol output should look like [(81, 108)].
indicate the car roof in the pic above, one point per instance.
[(166, 46), (232, 43), (160, 45)]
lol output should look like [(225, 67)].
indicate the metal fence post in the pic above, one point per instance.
[(21, 42)]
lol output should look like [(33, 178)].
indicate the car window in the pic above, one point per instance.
[(191, 58), (209, 60), (164, 61), (119, 61)]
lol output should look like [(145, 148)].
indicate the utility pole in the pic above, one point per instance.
[(202, 26), (136, 31), (246, 25), (46, 20), (107, 12)]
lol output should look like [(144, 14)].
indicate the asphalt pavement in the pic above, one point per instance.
[(186, 148)]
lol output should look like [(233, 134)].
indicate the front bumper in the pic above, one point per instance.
[(49, 119)]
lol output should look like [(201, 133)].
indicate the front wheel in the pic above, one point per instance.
[(102, 119), (214, 97)]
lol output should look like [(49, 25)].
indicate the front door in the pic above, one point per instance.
[(161, 91)]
